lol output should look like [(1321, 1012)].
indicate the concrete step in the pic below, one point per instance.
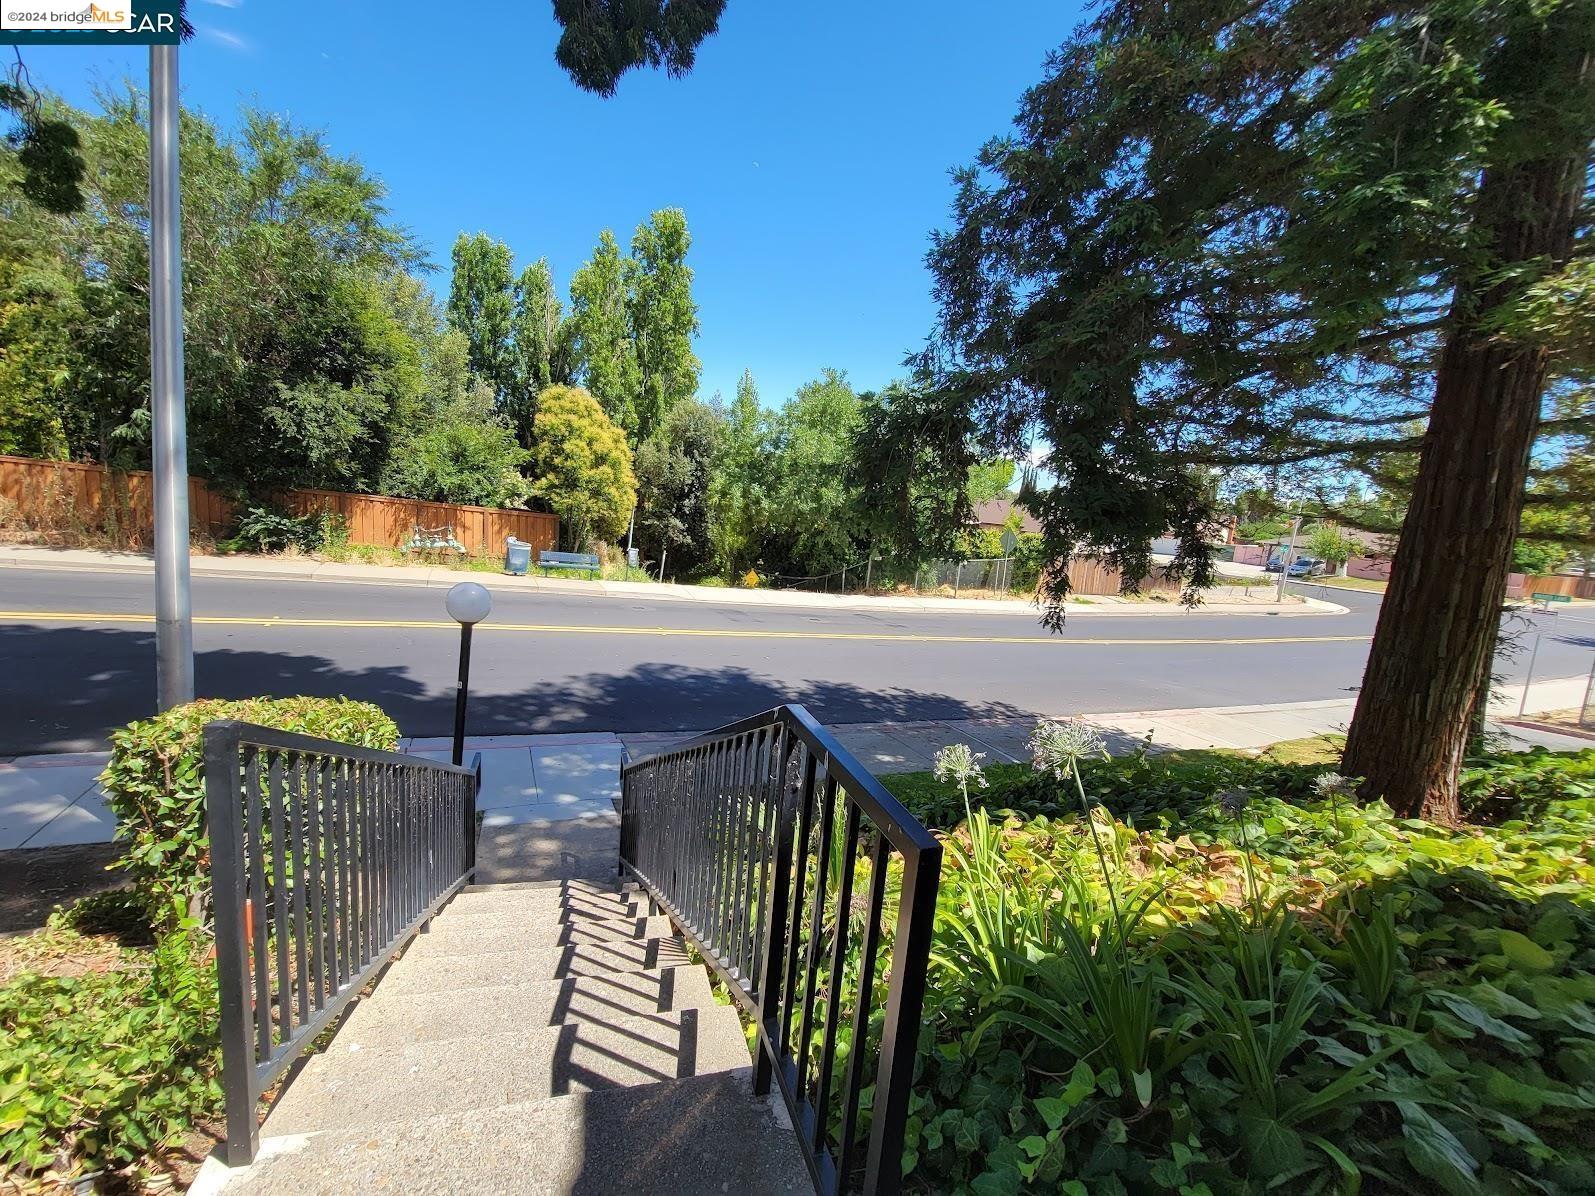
[(505, 1008), (608, 911), (705, 1136), (521, 886), (545, 902), (365, 1081), (473, 934), (443, 971)]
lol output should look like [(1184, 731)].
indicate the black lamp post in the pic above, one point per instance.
[(468, 604)]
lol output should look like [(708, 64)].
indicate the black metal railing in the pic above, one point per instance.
[(780, 858), (325, 859)]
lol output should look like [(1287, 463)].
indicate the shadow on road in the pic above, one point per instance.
[(66, 688)]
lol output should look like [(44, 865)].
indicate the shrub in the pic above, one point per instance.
[(265, 529), (155, 782)]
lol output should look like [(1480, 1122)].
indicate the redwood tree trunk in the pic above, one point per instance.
[(1433, 646)]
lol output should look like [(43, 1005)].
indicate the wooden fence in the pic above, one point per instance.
[(62, 498), (1568, 584)]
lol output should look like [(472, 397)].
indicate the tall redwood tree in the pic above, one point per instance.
[(1284, 234)]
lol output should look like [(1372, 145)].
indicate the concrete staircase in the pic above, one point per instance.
[(544, 1037)]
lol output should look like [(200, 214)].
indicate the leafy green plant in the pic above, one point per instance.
[(1309, 995), (265, 529), (155, 782), (100, 1070)]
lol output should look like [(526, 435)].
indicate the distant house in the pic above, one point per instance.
[(994, 513)]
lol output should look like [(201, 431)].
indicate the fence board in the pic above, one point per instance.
[(61, 496)]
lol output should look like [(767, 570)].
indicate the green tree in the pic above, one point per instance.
[(581, 466), (989, 479), (811, 517), (600, 327), (1226, 234), (482, 306), (1536, 558), (910, 468), (737, 484), (1328, 543), (664, 318), (673, 476), (542, 343), (37, 310), (600, 42), (464, 452)]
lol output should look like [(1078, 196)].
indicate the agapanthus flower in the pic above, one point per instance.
[(957, 762)]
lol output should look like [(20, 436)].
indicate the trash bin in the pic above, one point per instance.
[(517, 556)]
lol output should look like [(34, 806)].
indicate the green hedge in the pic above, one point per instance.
[(155, 782)]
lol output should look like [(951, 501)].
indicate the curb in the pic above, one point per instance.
[(328, 572)]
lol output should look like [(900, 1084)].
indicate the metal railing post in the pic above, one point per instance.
[(224, 801), (916, 916)]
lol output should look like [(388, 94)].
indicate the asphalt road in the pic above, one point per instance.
[(77, 658)]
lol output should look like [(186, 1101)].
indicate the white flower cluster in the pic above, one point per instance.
[(956, 762), (1332, 784), (1056, 746)]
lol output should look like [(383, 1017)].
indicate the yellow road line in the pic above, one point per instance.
[(33, 616)]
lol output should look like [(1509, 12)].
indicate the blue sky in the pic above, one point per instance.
[(809, 148)]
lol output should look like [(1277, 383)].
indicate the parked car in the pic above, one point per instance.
[(1302, 566)]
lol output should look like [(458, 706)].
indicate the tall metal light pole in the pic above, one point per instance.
[(174, 629), (1290, 555)]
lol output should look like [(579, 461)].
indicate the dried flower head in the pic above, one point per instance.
[(1332, 784), (1056, 746), (1234, 801), (957, 762)]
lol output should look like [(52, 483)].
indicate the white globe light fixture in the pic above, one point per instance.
[(468, 604)]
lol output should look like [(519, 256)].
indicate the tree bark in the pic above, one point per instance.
[(1435, 639)]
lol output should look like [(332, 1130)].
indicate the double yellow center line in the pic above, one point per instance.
[(34, 616)]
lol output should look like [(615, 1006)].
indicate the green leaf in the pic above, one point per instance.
[(1435, 1152)]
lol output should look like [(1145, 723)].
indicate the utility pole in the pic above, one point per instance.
[(1290, 555), (174, 629)]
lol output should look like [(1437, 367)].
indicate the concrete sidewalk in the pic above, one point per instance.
[(304, 568), (554, 799)]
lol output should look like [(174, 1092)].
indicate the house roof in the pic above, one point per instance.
[(994, 513)]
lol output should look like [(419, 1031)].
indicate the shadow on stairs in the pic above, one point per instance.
[(548, 1037)]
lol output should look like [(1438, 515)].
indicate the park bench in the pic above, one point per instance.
[(1543, 601), (434, 539), (584, 561)]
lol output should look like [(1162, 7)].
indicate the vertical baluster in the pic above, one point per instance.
[(771, 1043), (719, 815), (256, 903), (833, 996), (293, 797), (822, 872), (799, 884), (337, 892), (768, 753), (697, 851), (866, 983), (310, 798), (742, 892), (364, 782), (281, 898)]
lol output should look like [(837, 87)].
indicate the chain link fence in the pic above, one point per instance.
[(991, 577)]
